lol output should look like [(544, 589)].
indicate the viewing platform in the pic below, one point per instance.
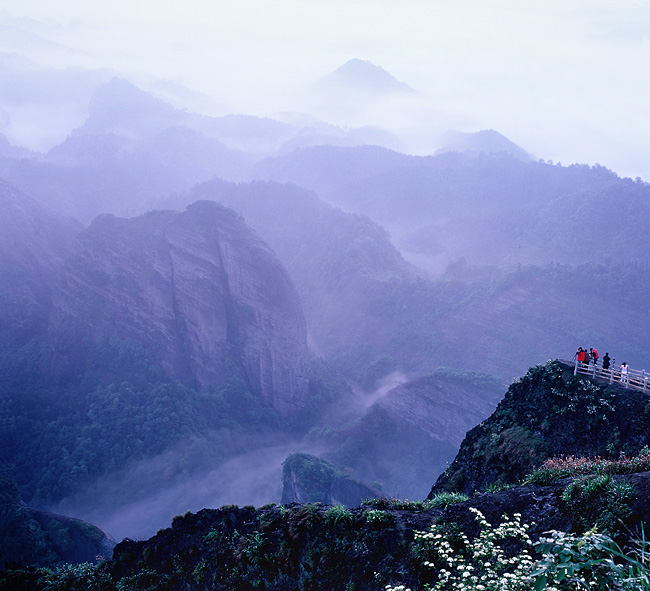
[(637, 379)]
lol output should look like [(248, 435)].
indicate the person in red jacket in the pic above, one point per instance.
[(594, 355), (581, 355)]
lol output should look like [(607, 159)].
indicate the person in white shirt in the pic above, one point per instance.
[(624, 373)]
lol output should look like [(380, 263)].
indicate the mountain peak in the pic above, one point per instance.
[(357, 74)]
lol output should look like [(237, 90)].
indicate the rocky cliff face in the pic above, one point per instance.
[(198, 288), (34, 242), (403, 437)]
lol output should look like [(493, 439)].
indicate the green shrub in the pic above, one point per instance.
[(439, 501), (444, 499), (498, 487), (338, 515), (377, 516), (315, 475), (598, 500)]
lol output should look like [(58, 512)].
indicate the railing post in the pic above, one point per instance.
[(575, 368)]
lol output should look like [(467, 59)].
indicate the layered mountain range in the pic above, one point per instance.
[(205, 288)]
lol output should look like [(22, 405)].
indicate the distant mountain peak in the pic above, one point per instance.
[(486, 140), (357, 74), (118, 106)]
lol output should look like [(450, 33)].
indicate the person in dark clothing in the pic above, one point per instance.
[(606, 361)]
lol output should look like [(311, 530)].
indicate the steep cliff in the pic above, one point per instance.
[(445, 404), (199, 289), (548, 413), (400, 438), (34, 242), (346, 271)]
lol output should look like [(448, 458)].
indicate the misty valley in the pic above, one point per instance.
[(235, 312)]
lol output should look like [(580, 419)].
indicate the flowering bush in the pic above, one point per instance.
[(575, 562), (590, 561), (481, 563), (553, 469), (565, 561), (377, 516)]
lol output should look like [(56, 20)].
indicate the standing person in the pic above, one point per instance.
[(586, 354), (580, 356), (594, 355), (624, 373), (606, 362)]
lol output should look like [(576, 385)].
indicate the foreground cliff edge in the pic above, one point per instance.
[(315, 546)]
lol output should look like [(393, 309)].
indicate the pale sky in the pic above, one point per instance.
[(568, 80)]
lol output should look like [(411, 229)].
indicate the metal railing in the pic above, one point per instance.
[(638, 379)]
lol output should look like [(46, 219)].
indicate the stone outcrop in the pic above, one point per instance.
[(199, 289), (310, 479)]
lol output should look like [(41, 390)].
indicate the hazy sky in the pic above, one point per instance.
[(567, 80)]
